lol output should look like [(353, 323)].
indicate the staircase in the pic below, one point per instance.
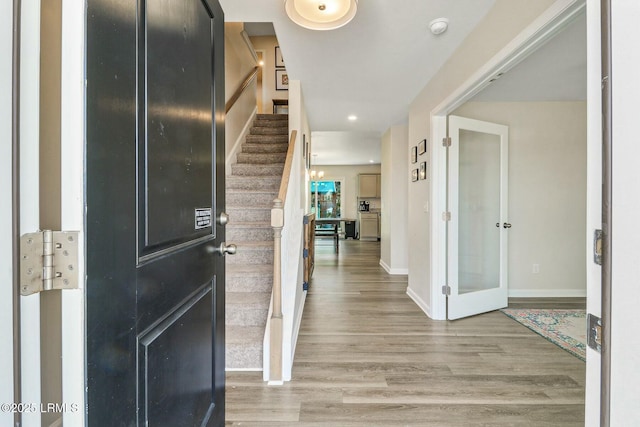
[(250, 190)]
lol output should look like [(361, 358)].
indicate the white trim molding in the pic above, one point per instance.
[(394, 271), (420, 302)]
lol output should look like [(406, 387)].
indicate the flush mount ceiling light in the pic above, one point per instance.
[(321, 14), (439, 26), (352, 118)]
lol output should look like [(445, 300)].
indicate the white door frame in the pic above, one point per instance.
[(72, 182), (72, 143), (548, 24), (7, 287), (29, 176)]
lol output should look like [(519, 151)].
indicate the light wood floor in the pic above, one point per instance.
[(368, 356)]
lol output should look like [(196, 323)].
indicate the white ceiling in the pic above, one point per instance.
[(557, 71), (375, 66)]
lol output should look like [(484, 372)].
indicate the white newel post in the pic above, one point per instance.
[(275, 345)]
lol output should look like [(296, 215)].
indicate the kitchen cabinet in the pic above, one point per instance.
[(369, 186), (368, 226)]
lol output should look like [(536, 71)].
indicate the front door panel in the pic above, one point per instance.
[(178, 125), (155, 184)]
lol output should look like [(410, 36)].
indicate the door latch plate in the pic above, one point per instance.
[(594, 332)]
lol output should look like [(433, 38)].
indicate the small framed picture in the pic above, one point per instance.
[(414, 175), (279, 59), (282, 80), (423, 170), (414, 154), (422, 147)]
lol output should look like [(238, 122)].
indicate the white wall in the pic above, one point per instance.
[(268, 45), (293, 296), (625, 224), (6, 267), (547, 193), (349, 176), (505, 20), (395, 186)]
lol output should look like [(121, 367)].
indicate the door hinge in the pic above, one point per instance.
[(446, 216), (48, 260), (446, 141), (597, 247), (594, 332), (446, 290)]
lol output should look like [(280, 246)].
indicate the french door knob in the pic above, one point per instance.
[(498, 224), (506, 225)]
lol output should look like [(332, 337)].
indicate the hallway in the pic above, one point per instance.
[(367, 355)]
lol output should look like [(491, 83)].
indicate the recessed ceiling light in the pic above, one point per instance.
[(352, 118), (439, 26), (370, 161)]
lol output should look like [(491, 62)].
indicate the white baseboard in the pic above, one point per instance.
[(231, 157), (296, 327), (419, 302), (394, 271), (275, 382), (547, 293)]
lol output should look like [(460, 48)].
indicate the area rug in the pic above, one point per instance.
[(565, 328)]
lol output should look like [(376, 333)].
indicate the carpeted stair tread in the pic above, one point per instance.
[(267, 139), (265, 147), (243, 347), (249, 270), (271, 123), (275, 117), (247, 308), (249, 299), (265, 182), (250, 224), (249, 277), (244, 169), (243, 334), (239, 214), (239, 198), (261, 158), (263, 130)]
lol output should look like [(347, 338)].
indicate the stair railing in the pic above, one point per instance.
[(277, 223), (238, 93)]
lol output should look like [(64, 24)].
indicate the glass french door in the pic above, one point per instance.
[(478, 230)]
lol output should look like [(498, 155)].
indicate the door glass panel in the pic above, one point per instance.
[(479, 211), (326, 199)]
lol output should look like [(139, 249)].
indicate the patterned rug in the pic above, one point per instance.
[(565, 328)]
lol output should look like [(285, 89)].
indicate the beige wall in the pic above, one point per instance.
[(547, 193), (349, 176), (394, 231), (268, 45), (238, 62), (505, 20)]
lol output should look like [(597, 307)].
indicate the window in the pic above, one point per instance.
[(326, 199)]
